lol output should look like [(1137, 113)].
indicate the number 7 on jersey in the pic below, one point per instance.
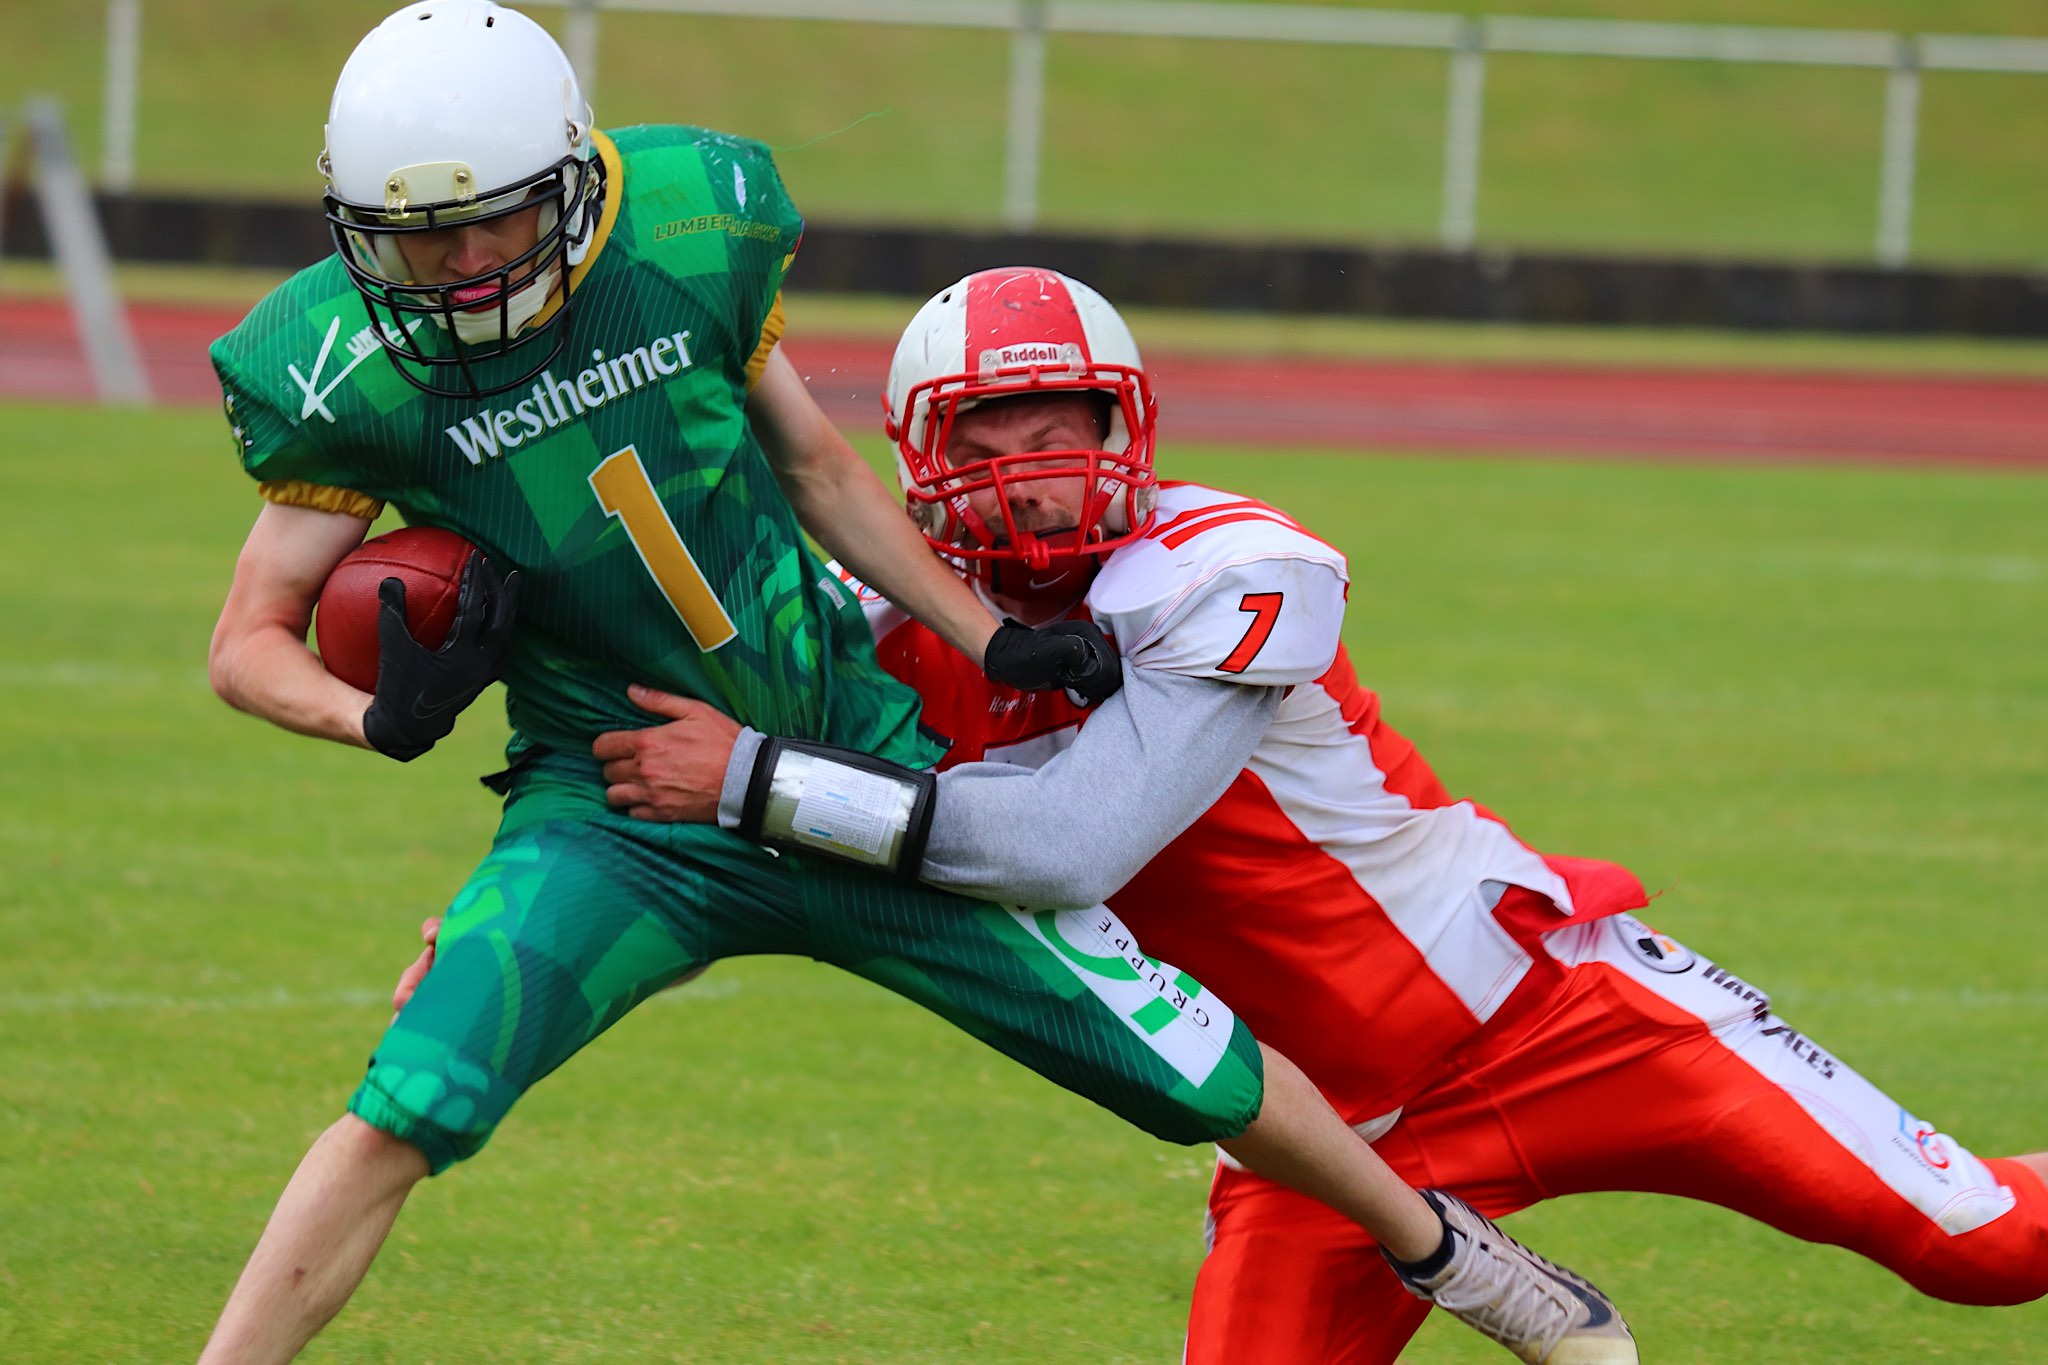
[(1265, 610), (624, 491)]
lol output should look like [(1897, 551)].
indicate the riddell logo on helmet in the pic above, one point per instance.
[(1064, 354)]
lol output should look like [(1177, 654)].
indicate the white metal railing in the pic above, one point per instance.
[(1466, 41), (80, 248), (124, 59)]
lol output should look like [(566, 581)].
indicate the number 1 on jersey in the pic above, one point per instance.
[(624, 491)]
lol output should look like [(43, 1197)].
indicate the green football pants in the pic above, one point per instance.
[(578, 914)]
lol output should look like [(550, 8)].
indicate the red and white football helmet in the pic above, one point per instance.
[(1002, 333)]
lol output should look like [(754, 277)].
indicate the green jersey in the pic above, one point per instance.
[(624, 483)]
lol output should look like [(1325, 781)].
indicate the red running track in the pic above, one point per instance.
[(1395, 405)]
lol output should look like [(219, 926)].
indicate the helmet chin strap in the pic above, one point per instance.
[(1044, 588), (1041, 595)]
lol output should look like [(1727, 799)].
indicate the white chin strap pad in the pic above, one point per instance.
[(481, 328), (579, 233)]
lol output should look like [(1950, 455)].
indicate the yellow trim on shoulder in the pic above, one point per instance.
[(771, 332), (321, 498), (614, 194)]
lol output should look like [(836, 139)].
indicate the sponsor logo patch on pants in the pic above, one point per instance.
[(1189, 1028)]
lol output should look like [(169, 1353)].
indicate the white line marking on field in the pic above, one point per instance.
[(70, 673), (724, 988), (1951, 997), (277, 998), (1913, 565)]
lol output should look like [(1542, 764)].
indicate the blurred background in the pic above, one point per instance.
[(1229, 137), (1684, 421), (1861, 168)]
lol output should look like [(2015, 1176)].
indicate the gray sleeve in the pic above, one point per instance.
[(1148, 762)]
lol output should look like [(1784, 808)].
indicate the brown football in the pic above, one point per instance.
[(427, 560)]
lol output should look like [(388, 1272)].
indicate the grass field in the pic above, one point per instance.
[(1813, 704), (1268, 140)]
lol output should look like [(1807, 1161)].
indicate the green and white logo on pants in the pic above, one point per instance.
[(1189, 1028)]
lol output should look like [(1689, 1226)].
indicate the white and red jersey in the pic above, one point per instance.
[(1335, 886)]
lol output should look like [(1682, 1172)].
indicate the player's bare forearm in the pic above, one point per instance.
[(866, 530), (258, 661), (272, 675), (850, 512)]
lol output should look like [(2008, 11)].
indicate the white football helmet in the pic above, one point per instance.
[(454, 112), (1003, 333)]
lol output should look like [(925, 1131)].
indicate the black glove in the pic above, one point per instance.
[(420, 691), (1070, 654)]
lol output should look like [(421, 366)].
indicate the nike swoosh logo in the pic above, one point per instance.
[(422, 711), (1597, 1309)]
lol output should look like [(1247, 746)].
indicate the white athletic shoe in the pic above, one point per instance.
[(1539, 1310)]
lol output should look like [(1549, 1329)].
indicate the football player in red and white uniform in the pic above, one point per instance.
[(1496, 1020)]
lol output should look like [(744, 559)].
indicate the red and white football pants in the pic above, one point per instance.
[(1649, 1069)]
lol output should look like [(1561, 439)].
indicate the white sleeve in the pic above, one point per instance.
[(883, 615), (1066, 836), (1270, 621), (1203, 680)]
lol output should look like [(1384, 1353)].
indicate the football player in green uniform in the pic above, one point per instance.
[(562, 344)]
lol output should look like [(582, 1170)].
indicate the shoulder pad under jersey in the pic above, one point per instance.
[(883, 615), (304, 379), (1224, 587)]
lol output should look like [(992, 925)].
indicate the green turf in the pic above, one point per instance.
[(1811, 702), (1265, 140)]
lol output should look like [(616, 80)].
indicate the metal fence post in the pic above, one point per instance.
[(1901, 137), (1027, 117), (580, 45), (1462, 121), (124, 58), (73, 229), (4, 181)]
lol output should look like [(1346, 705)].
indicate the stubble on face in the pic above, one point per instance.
[(1019, 426)]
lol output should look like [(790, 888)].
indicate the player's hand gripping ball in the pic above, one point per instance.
[(420, 619), (426, 559)]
